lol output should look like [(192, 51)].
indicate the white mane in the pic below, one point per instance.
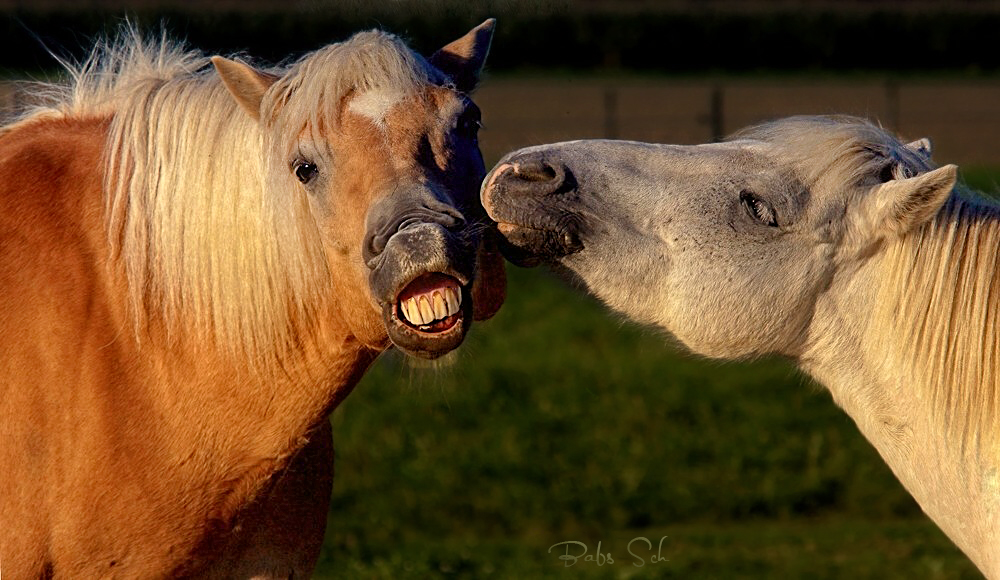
[(938, 314), (937, 306)]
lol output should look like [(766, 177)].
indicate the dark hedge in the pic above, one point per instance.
[(664, 42)]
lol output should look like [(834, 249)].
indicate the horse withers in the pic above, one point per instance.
[(197, 264), (823, 239)]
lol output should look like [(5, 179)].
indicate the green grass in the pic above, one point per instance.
[(557, 422), (985, 180)]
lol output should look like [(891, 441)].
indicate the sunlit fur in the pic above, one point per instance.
[(834, 152), (881, 282), (200, 201), (181, 315), (935, 321), (937, 317)]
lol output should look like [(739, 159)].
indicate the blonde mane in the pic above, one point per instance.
[(937, 315), (214, 233)]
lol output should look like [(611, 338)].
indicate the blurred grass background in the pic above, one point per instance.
[(557, 421)]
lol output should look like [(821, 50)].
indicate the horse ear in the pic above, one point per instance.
[(463, 59), (245, 83), (921, 147), (900, 205)]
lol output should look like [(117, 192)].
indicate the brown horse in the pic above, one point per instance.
[(197, 264)]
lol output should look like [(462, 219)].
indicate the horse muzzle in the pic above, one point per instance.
[(527, 196), (422, 279)]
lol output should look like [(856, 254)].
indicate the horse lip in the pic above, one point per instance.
[(463, 280), (529, 245), (414, 342), (392, 217), (401, 266), (416, 251), (533, 228)]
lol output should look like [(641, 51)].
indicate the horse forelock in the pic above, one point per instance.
[(308, 98), (828, 152), (212, 241)]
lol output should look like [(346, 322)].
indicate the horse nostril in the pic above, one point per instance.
[(373, 247), (399, 215), (536, 170), (539, 177)]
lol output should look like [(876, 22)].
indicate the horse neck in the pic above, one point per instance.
[(908, 344), (194, 411), (935, 323), (260, 409)]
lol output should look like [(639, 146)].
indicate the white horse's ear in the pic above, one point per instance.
[(463, 59), (245, 83), (921, 147), (900, 205)]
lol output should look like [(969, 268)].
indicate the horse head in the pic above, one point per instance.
[(381, 144)]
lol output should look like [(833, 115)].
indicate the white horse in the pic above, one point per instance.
[(822, 239)]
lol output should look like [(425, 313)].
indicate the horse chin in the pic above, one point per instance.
[(527, 247), (429, 316)]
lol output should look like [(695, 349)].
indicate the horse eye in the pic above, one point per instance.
[(895, 171), (758, 209), (888, 173), (468, 124), (305, 171)]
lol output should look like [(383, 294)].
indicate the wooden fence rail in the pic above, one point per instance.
[(961, 117)]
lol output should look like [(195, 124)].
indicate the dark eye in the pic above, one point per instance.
[(305, 171), (758, 209), (895, 171), (468, 123), (887, 174), (904, 172)]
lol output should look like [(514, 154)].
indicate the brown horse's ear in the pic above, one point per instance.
[(901, 205), (921, 147), (463, 59), (245, 83)]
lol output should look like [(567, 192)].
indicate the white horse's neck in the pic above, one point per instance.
[(907, 346)]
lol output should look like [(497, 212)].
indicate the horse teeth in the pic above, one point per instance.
[(426, 308), (404, 305), (449, 302), (440, 308), (412, 311), (426, 311), (418, 313)]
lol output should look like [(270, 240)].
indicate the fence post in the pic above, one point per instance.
[(715, 111), (892, 104), (610, 113)]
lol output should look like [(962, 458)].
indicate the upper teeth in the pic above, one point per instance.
[(436, 305)]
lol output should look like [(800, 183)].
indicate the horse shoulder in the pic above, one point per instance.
[(52, 242), (57, 317)]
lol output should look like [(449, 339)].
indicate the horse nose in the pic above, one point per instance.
[(531, 177), (392, 216)]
